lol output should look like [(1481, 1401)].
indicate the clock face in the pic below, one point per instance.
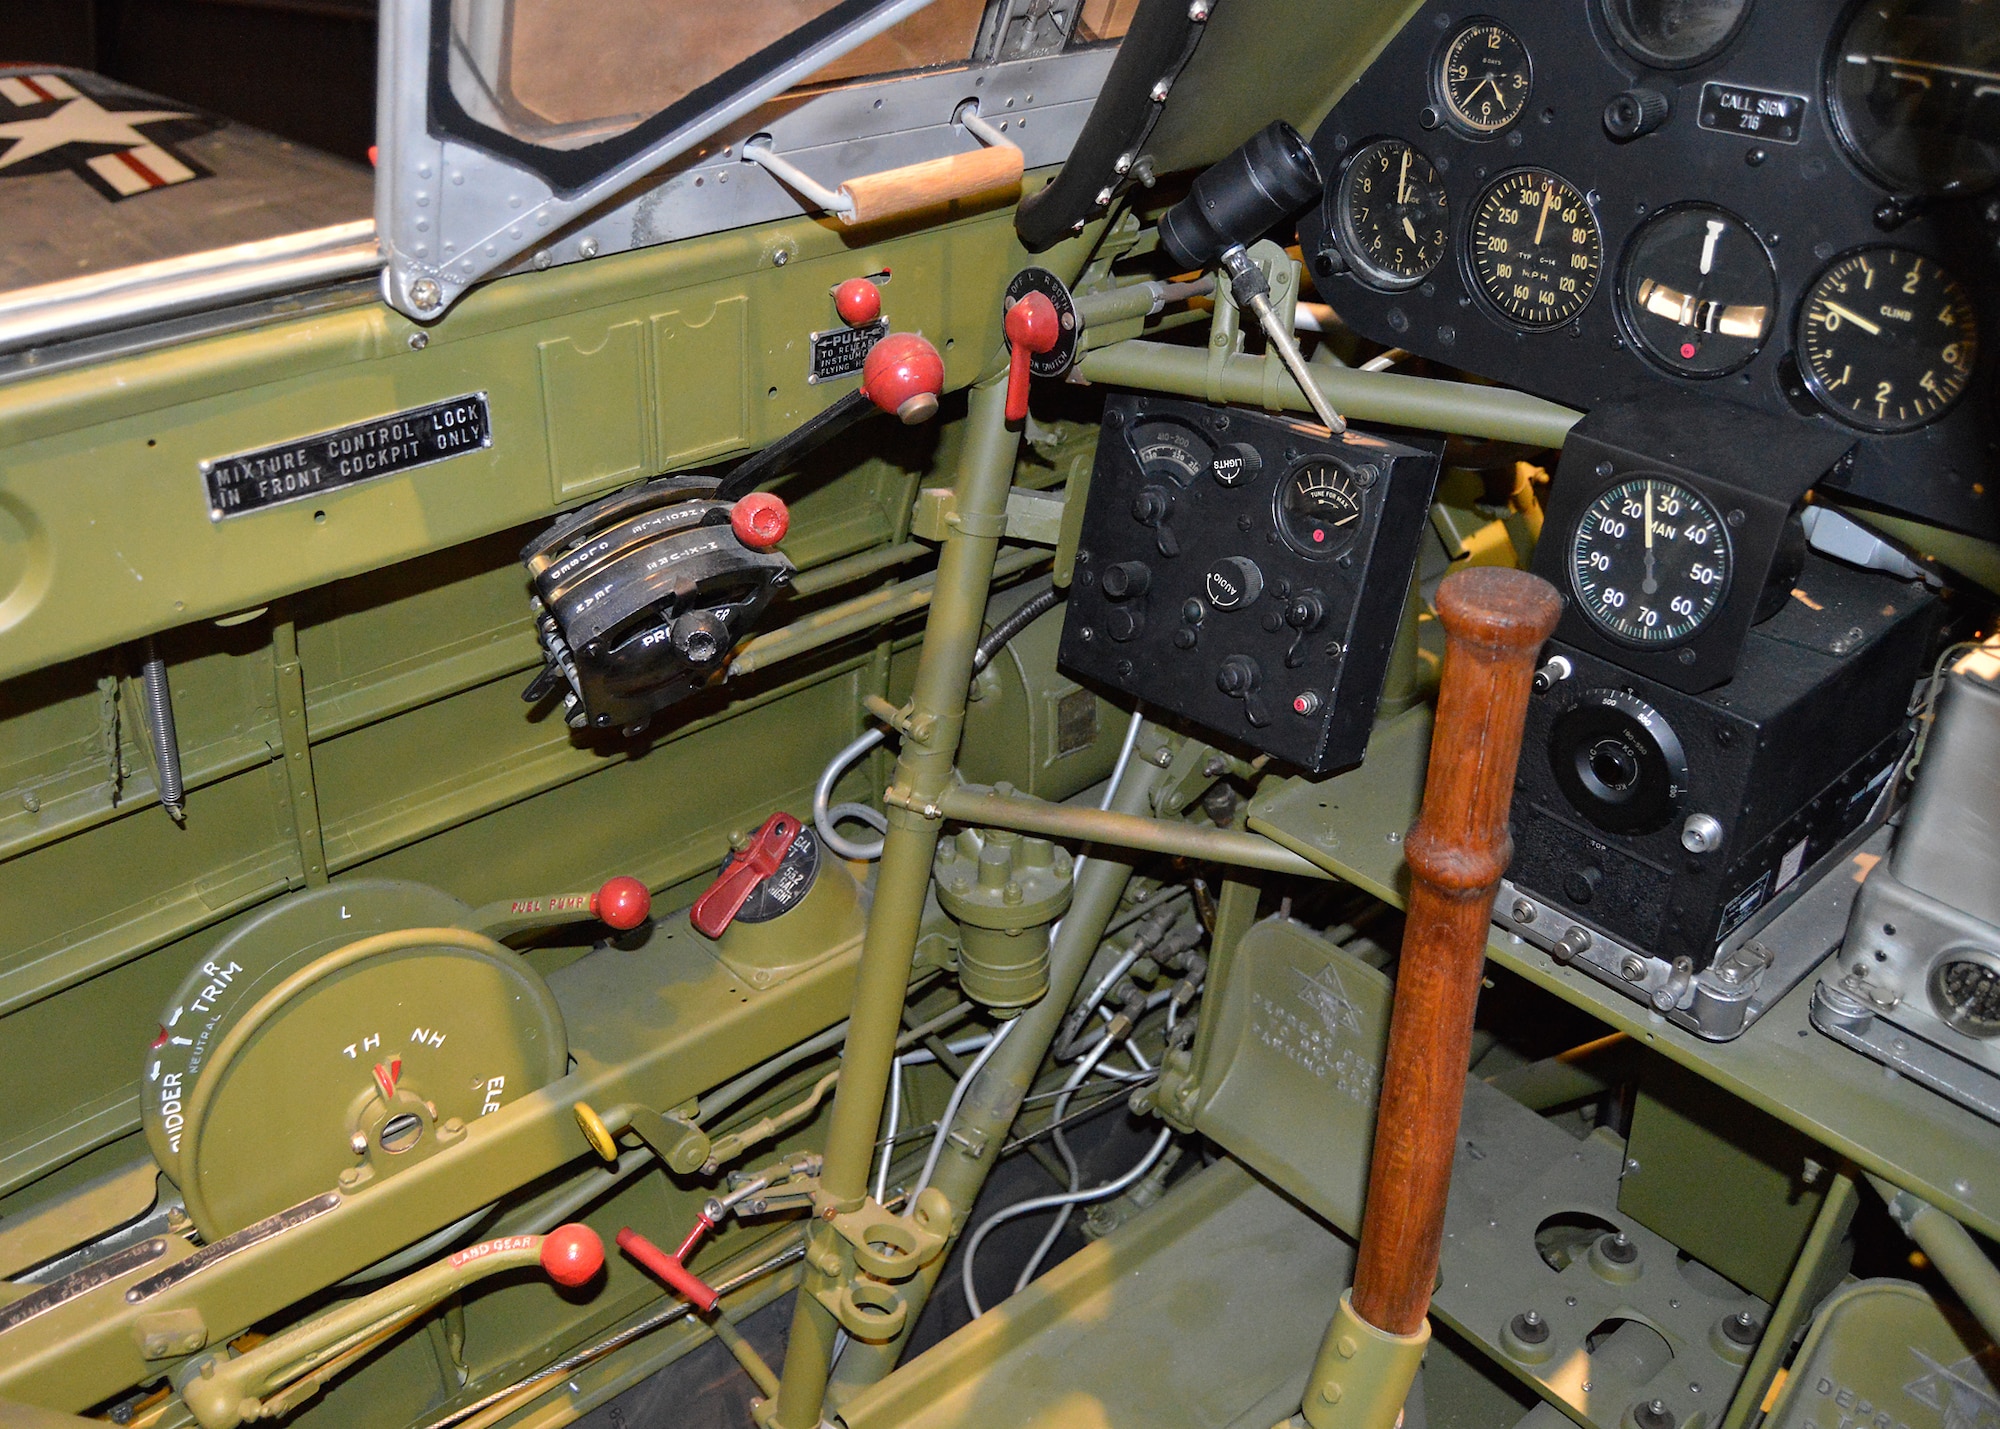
[(1391, 217), (1483, 78), (1887, 339), (1650, 562)]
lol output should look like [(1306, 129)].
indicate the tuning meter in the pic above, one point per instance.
[(1887, 338), (1697, 291), (1319, 505), (1536, 251), (1390, 215)]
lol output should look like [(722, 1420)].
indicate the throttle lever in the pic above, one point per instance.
[(715, 909)]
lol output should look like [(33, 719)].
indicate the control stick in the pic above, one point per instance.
[(1270, 178)]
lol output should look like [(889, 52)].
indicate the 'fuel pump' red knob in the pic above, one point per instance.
[(760, 520), (904, 375), (623, 903), (572, 1254), (1033, 327)]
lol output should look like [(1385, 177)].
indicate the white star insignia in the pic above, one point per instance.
[(80, 121)]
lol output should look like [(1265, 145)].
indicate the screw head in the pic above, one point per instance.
[(1523, 911), (426, 293)]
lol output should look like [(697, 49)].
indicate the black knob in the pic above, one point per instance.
[(1126, 579), (1580, 884), (700, 635), (1125, 621), (1236, 464), (1233, 582), (1635, 112), (1152, 506), (1306, 611), (1237, 676)]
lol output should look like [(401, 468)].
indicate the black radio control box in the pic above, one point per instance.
[(1247, 572), (1668, 820)]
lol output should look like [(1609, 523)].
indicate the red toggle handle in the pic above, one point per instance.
[(1032, 328), (726, 896), (678, 1276)]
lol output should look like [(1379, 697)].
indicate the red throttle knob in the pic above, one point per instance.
[(572, 1255), (678, 1276), (1033, 328), (904, 375), (760, 520), (622, 902), (857, 301)]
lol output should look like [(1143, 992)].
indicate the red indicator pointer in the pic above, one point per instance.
[(1033, 328), (386, 1077), (713, 911)]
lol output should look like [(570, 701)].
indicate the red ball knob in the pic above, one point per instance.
[(623, 903), (857, 301), (760, 520), (572, 1255), (904, 375)]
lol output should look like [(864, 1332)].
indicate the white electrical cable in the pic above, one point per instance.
[(825, 818), (951, 1110), (889, 1141), (1043, 1203), (1076, 1078)]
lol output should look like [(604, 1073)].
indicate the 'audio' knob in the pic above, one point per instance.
[(1125, 579), (1233, 582)]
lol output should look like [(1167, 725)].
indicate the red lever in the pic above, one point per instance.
[(726, 896), (1032, 329), (683, 1280)]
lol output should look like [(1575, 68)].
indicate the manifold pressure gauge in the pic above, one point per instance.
[(1536, 249), (1390, 215), (1650, 562), (1887, 339), (1483, 78)]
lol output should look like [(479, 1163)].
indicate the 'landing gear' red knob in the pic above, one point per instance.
[(1033, 327), (903, 374), (623, 903), (572, 1255)]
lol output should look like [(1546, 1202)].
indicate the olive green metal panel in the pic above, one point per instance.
[(106, 533), (1693, 1150), (1882, 1352)]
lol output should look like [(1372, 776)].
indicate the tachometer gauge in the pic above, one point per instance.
[(1913, 87), (1650, 562), (1390, 215), (1697, 291), (1171, 450), (1536, 250), (1483, 78), (1887, 338), (1319, 507)]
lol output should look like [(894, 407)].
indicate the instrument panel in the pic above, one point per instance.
[(1790, 206)]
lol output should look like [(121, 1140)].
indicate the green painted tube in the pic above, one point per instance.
[(973, 805), (1951, 1249), (1458, 407), (1796, 1301), (992, 1103), (925, 767)]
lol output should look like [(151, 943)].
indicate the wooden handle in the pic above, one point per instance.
[(895, 192), (1495, 621)]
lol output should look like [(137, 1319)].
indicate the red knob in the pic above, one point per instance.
[(760, 520), (572, 1254), (1033, 327), (668, 1269), (904, 375), (857, 301), (622, 902)]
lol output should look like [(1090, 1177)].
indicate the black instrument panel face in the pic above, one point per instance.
[(1792, 167)]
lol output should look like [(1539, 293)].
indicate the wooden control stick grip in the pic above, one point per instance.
[(1495, 621), (915, 187)]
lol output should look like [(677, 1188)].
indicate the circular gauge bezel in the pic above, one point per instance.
[(1817, 386), (1942, 1007), (1841, 123), (1622, 36), (1364, 268), (1628, 321), (1469, 260), (1669, 639), (1441, 93), (1659, 777), (1196, 438), (1304, 546)]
